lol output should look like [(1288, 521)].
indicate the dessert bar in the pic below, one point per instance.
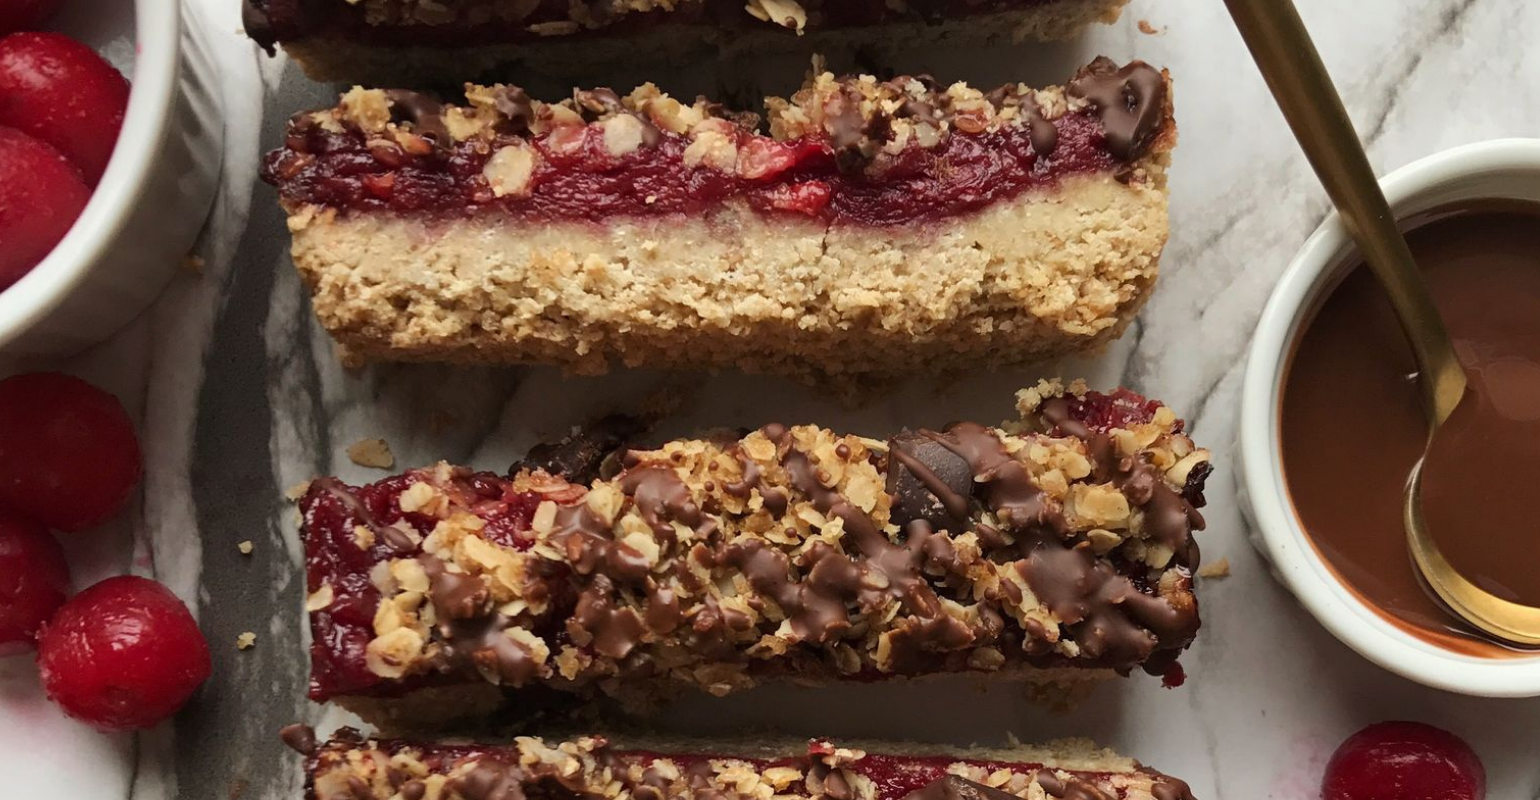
[(350, 767), (876, 228), (449, 40), (1054, 550)]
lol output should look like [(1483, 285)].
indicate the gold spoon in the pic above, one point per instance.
[(1293, 70)]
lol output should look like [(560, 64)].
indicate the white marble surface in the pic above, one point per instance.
[(239, 396)]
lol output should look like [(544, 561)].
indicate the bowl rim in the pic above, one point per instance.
[(151, 105), (1295, 560)]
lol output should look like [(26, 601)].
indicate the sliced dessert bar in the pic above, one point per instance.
[(350, 767), (881, 227), (1053, 550), (448, 40)]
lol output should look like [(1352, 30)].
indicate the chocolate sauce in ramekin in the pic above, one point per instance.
[(1353, 425)]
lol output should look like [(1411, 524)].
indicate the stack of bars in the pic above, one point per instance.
[(860, 230)]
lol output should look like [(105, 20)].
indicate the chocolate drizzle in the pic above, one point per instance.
[(816, 607), (661, 497), (1008, 490), (775, 500), (1131, 102), (473, 635)]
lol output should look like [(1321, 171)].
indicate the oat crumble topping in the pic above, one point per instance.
[(709, 561)]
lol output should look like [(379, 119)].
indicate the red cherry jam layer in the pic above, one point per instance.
[(852, 150)]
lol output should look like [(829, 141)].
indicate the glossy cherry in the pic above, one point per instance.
[(58, 90), (22, 15), (41, 194), (34, 580), (68, 454), (124, 654), (1404, 761)]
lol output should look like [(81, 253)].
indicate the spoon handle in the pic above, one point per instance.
[(1293, 70)]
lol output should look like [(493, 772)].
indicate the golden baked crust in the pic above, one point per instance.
[(1035, 276)]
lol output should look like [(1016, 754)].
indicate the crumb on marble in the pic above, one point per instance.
[(245, 547), (245, 641), (1215, 569), (1148, 28), (371, 453), (297, 491)]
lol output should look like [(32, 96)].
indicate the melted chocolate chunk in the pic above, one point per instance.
[(425, 113), (580, 456), (1193, 489), (492, 779), (518, 111), (300, 738), (953, 787), (1169, 788), (1131, 102), (928, 482), (258, 25), (1009, 490)]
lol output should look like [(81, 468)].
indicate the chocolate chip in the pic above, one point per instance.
[(425, 113), (1192, 491), (1169, 788), (1131, 102), (928, 482), (300, 738), (517, 108), (491, 779)]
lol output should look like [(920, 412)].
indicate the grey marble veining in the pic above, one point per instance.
[(240, 396)]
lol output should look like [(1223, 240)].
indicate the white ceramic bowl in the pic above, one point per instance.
[(1507, 168), (144, 215)]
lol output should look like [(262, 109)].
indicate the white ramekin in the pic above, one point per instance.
[(1501, 169), (144, 215)]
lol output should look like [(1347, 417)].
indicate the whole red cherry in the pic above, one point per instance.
[(41, 194), (21, 15), (1404, 761), (124, 654), (34, 579), (62, 92), (68, 455)]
